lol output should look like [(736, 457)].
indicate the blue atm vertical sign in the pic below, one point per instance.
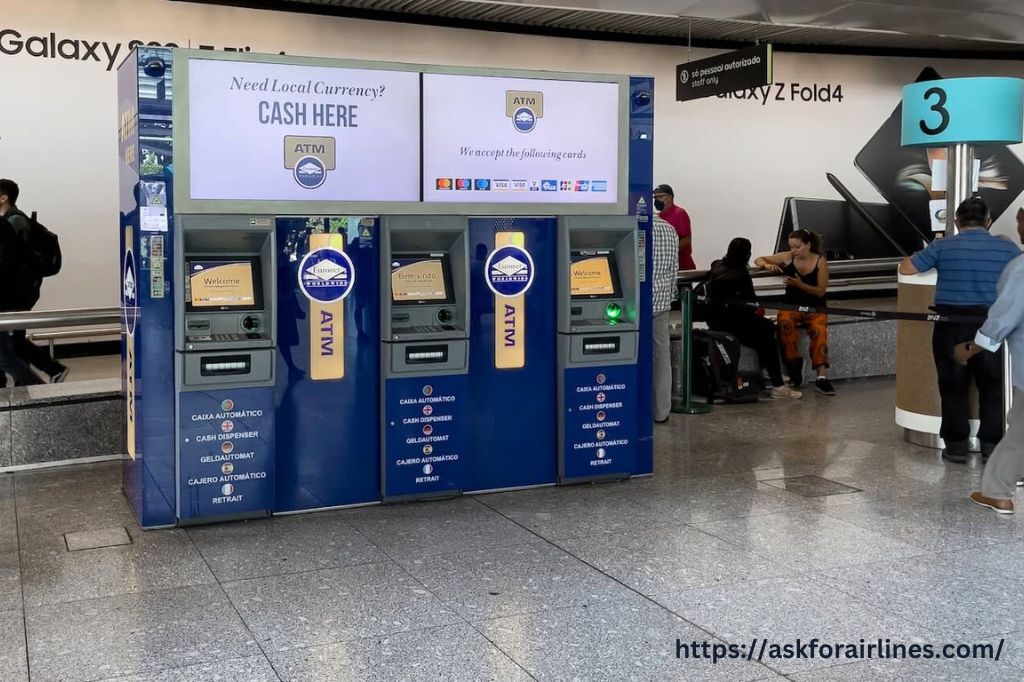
[(600, 423), (226, 453), (425, 451)]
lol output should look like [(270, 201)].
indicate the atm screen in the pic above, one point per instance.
[(593, 275), (420, 278), (223, 284)]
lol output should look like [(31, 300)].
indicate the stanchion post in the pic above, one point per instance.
[(686, 404)]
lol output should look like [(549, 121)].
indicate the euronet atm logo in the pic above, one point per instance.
[(524, 107), (326, 275), (309, 159), (509, 271)]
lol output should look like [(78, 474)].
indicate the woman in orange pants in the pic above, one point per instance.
[(805, 274)]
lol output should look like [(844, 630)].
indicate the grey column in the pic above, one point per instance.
[(959, 173)]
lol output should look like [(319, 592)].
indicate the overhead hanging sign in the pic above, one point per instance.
[(729, 72), (953, 110)]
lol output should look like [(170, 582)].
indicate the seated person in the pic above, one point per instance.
[(730, 281), (805, 274)]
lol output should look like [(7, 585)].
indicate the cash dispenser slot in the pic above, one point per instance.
[(225, 365), (426, 355), (601, 345)]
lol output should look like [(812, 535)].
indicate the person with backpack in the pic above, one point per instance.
[(12, 260), (39, 258)]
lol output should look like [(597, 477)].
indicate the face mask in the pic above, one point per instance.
[(659, 205)]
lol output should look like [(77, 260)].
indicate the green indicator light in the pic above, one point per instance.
[(613, 311)]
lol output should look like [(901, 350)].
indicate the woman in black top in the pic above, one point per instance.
[(730, 281), (805, 274)]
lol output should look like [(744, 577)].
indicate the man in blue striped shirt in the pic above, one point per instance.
[(968, 267)]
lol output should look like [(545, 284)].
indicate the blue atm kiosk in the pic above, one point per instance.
[(495, 337), (512, 353), (425, 408), (328, 379), (225, 342), (598, 339)]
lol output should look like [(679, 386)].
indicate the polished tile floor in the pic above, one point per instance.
[(780, 520)]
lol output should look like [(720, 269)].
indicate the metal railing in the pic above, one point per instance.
[(49, 319), (879, 267)]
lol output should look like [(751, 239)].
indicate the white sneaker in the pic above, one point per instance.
[(784, 392)]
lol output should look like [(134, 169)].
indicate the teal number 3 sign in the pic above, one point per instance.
[(969, 110)]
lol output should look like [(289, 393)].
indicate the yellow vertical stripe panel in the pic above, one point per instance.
[(326, 324), (509, 316), (131, 416)]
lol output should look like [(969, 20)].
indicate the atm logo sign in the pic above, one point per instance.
[(326, 333), (326, 277), (310, 159), (524, 107), (510, 328), (509, 272)]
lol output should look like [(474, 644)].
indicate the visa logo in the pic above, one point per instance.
[(499, 185), (519, 185), (599, 186), (549, 185)]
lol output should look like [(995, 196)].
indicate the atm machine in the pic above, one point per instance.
[(224, 363), (598, 339), (425, 407)]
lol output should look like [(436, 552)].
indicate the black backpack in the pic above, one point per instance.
[(43, 245), (716, 372)]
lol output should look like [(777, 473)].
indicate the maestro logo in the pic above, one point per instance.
[(129, 292), (326, 275), (524, 107), (309, 159), (509, 271)]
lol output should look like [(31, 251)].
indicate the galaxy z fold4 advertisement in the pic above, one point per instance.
[(912, 179)]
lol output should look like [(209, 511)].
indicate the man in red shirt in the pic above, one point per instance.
[(677, 217)]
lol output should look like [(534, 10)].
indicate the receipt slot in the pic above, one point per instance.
[(597, 348), (225, 343), (424, 356)]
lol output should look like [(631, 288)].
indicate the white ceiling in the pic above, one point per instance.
[(931, 25)]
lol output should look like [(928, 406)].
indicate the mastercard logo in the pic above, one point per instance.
[(444, 183)]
